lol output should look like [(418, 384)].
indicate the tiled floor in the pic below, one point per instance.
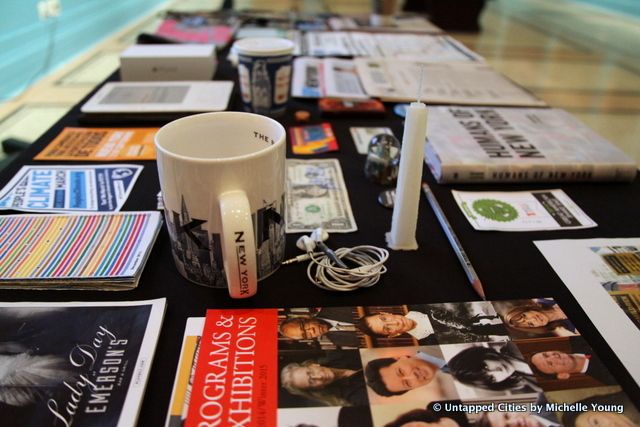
[(573, 56)]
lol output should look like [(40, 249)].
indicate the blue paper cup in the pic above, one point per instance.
[(264, 70)]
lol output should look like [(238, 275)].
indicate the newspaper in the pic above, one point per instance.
[(328, 77), (449, 83), (413, 24), (316, 196), (424, 47), (604, 277), (77, 364), (61, 188), (364, 44), (521, 210), (328, 43)]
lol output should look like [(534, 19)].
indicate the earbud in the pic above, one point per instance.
[(312, 242), (304, 243), (315, 241), (308, 243), (319, 235)]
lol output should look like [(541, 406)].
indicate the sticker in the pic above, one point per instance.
[(495, 210)]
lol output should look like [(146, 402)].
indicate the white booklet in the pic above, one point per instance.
[(328, 77), (77, 363), (493, 144), (521, 210), (604, 277), (62, 188), (462, 83), (160, 97)]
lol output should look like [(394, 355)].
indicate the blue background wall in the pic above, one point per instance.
[(629, 7), (30, 48)]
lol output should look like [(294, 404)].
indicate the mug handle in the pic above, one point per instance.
[(238, 244)]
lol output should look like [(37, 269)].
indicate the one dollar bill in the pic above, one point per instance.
[(316, 196)]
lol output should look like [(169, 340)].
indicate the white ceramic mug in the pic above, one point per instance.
[(222, 180)]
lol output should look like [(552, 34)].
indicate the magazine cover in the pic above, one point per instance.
[(76, 363), (502, 363)]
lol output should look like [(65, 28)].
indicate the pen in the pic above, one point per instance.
[(453, 240)]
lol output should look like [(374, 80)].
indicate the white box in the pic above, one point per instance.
[(164, 62)]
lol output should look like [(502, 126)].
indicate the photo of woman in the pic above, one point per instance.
[(535, 318)]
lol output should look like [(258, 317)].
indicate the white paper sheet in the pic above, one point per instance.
[(590, 268)]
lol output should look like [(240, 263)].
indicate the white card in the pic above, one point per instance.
[(521, 210), (163, 97), (362, 136)]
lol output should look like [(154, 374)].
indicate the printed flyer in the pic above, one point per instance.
[(521, 210), (76, 364), (61, 188), (101, 144), (604, 277), (463, 364)]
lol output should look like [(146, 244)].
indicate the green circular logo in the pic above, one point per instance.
[(495, 210), (312, 209)]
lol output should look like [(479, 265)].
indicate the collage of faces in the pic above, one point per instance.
[(518, 363)]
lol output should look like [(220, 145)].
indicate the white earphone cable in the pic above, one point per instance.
[(369, 261)]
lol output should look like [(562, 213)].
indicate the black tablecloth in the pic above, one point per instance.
[(508, 264)]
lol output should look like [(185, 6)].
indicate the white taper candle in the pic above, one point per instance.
[(405, 211)]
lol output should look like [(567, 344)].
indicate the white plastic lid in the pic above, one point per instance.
[(263, 46)]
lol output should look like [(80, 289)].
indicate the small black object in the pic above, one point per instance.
[(146, 38), (13, 145)]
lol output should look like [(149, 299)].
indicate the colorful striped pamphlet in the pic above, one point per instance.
[(98, 251)]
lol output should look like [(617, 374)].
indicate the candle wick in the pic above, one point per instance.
[(420, 85)]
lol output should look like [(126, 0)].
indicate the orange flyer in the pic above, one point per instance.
[(100, 144)]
